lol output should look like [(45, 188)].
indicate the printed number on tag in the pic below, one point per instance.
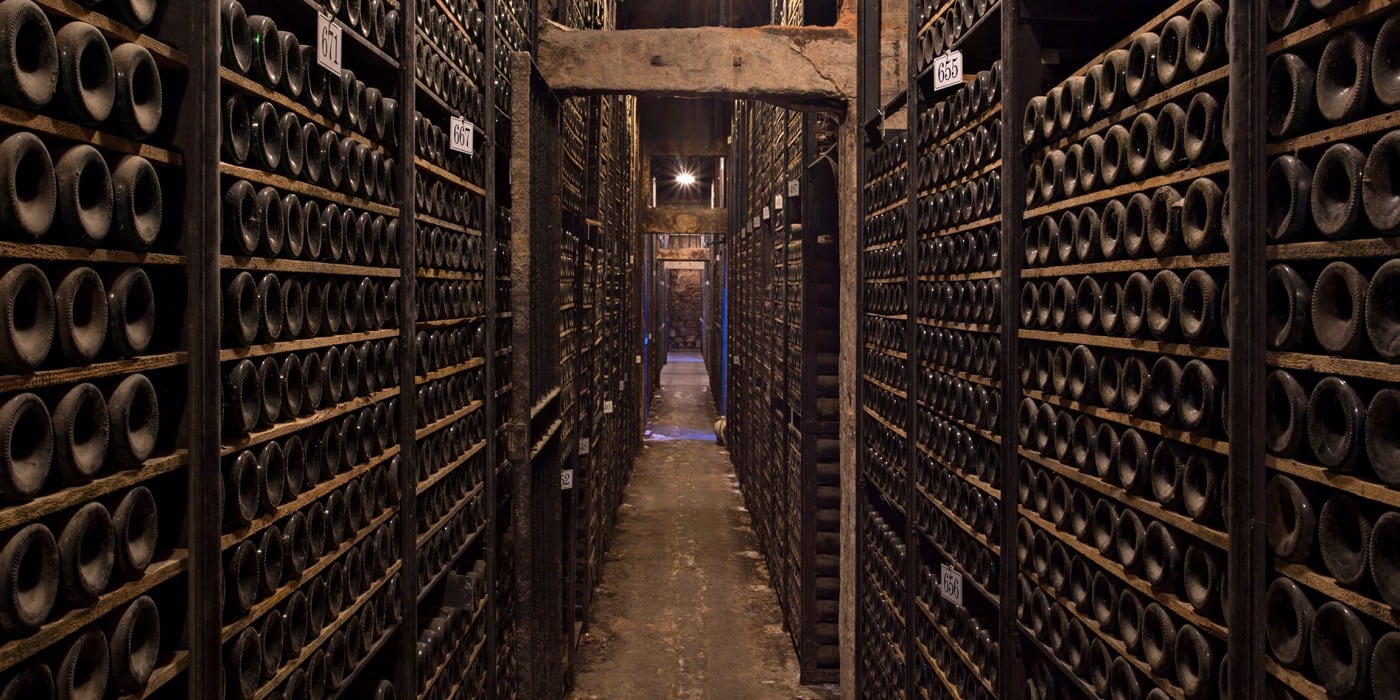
[(948, 70), (607, 407), (951, 585), (463, 136), (566, 480), (327, 43)]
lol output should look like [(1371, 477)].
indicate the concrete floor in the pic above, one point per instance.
[(684, 609)]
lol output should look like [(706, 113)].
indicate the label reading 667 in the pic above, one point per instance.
[(463, 136)]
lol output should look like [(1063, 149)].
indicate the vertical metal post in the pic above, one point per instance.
[(1020, 55), (198, 135), (913, 545), (408, 671), (1248, 156), (866, 105), (491, 152)]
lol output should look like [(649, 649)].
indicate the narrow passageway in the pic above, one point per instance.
[(684, 609)]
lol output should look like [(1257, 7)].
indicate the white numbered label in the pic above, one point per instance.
[(328, 45), (566, 480), (777, 202), (951, 585), (607, 407), (767, 213), (948, 70), (463, 136), (637, 359), (794, 188), (583, 446)]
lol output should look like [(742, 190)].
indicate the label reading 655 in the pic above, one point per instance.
[(948, 70)]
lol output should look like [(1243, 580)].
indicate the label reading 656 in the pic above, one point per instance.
[(950, 584), (948, 70)]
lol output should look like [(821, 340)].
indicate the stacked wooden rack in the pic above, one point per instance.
[(222, 250), (1101, 270), (782, 407)]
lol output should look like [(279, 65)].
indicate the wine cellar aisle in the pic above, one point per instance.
[(686, 609), (1054, 344)]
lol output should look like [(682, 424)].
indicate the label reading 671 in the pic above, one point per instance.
[(328, 48)]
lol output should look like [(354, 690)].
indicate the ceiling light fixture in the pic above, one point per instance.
[(685, 179)]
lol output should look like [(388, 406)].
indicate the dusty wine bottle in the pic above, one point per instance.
[(131, 312), (134, 413), (134, 645), (87, 87), (138, 208), (135, 523), (139, 101), (85, 666), (28, 56), (87, 554), (30, 585), (1341, 647), (28, 186)]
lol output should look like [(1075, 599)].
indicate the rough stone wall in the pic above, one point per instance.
[(684, 310)]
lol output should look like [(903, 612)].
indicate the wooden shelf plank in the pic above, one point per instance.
[(1176, 262), (63, 499), (312, 646), (231, 630), (72, 375), (449, 176), (1149, 185), (238, 262), (306, 498), (282, 346), (1168, 600), (445, 471), (321, 416), (1197, 352), (62, 253), (16, 651), (165, 55), (305, 189)]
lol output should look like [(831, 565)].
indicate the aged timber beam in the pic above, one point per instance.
[(683, 254), (684, 221), (809, 68)]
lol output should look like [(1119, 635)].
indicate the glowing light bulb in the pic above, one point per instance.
[(685, 179)]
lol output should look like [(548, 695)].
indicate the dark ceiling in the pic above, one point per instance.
[(677, 126), (660, 14)]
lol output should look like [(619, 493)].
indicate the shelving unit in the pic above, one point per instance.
[(782, 408), (1128, 302), (333, 282)]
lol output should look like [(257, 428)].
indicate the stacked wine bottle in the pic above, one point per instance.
[(454, 486), (957, 503), (311, 353), (1332, 390), (884, 450), (1121, 542), (91, 367)]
